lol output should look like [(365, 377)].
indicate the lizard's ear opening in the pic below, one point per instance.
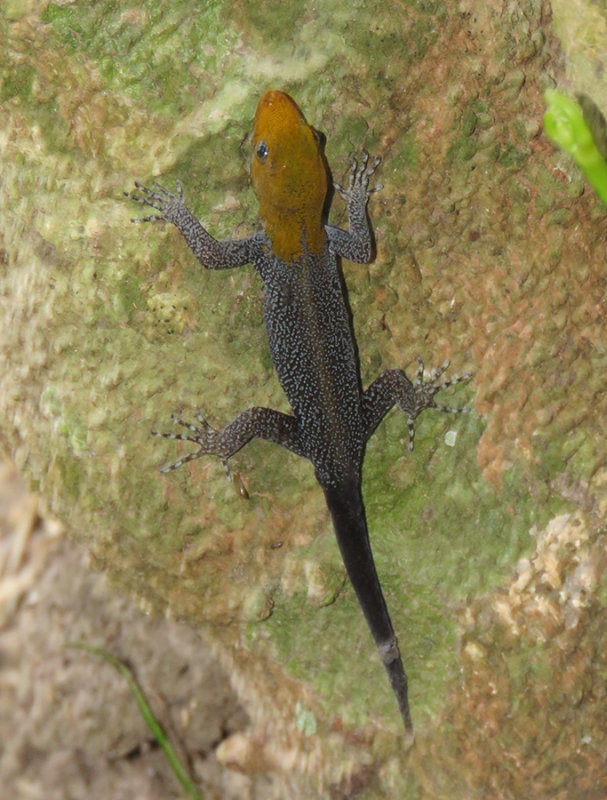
[(320, 137)]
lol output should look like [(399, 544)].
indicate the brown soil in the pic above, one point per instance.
[(70, 726)]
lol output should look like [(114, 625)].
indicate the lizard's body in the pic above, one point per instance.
[(311, 339)]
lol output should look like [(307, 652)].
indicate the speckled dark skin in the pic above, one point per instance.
[(311, 339)]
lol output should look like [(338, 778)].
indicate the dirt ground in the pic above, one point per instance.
[(69, 724)]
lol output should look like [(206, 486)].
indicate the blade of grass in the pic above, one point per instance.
[(147, 713)]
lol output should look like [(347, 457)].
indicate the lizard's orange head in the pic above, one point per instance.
[(289, 176)]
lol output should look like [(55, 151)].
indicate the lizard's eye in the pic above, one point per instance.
[(261, 151)]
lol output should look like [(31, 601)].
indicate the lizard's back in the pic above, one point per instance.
[(313, 351)]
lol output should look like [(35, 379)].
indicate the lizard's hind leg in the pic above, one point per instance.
[(262, 422), (393, 388)]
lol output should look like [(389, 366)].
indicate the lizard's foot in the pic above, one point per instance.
[(358, 183), (424, 392), (160, 199), (203, 435)]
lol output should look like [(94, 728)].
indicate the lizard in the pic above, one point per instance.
[(298, 257)]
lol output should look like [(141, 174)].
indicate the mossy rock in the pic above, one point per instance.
[(490, 252)]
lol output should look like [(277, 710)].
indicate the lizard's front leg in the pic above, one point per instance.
[(356, 244), (262, 422), (394, 388), (171, 207)]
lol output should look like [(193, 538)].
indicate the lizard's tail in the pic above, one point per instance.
[(347, 510)]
